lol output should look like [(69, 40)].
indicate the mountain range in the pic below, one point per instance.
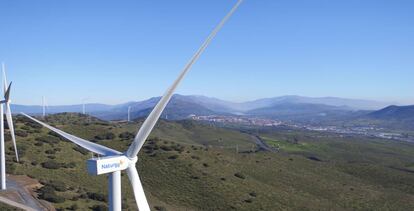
[(181, 106)]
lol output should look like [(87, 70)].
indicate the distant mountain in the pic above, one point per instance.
[(400, 113), (300, 111), (353, 104), (182, 106), (391, 117)]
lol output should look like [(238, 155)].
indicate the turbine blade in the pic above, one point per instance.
[(93, 147), (7, 93), (155, 114), (139, 194), (11, 128), (3, 67)]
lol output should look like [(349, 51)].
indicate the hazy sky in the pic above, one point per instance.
[(118, 51)]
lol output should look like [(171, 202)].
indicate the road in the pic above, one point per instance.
[(261, 144), (18, 194)]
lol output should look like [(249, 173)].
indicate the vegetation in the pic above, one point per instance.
[(188, 166)]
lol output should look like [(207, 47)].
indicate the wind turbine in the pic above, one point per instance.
[(44, 106), (129, 113), (113, 162), (6, 103)]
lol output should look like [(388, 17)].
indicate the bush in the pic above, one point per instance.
[(50, 152), (96, 196), (126, 136), (173, 157), (160, 208), (100, 208), (51, 133), (38, 144), (81, 150), (24, 127), (239, 175), (248, 200), (48, 139), (166, 148), (69, 165), (106, 136), (58, 185), (51, 164), (20, 133), (48, 193)]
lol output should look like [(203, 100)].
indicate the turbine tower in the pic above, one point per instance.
[(113, 161), (44, 106), (129, 113), (5, 103)]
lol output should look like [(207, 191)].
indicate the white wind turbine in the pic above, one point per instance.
[(129, 113), (6, 103), (113, 162), (44, 106)]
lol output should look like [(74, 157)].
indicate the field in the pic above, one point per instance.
[(189, 166)]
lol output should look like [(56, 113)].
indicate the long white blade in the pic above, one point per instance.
[(139, 194), (11, 128), (93, 147), (152, 119)]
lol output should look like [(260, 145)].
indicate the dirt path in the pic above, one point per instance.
[(20, 194)]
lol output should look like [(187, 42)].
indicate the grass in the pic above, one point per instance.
[(188, 166)]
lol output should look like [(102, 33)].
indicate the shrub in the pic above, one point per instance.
[(81, 150), (173, 157), (21, 133), (51, 133), (51, 164), (50, 152), (99, 207), (25, 127), (48, 193), (96, 196), (239, 175), (38, 144), (126, 136), (253, 194), (58, 185), (48, 139), (248, 200), (205, 165), (166, 148), (69, 165), (106, 136), (160, 208)]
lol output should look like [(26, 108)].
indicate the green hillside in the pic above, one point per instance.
[(189, 166)]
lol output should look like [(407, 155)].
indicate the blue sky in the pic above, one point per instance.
[(118, 51)]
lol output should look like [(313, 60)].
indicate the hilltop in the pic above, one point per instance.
[(186, 165)]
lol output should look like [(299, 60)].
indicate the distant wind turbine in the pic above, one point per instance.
[(6, 103), (129, 113), (114, 161), (44, 106)]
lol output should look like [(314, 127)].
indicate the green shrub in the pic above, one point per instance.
[(239, 175), (81, 150), (126, 136), (20, 133), (96, 196), (99, 207), (50, 164), (173, 157)]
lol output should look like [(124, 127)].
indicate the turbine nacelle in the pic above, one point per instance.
[(108, 164)]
